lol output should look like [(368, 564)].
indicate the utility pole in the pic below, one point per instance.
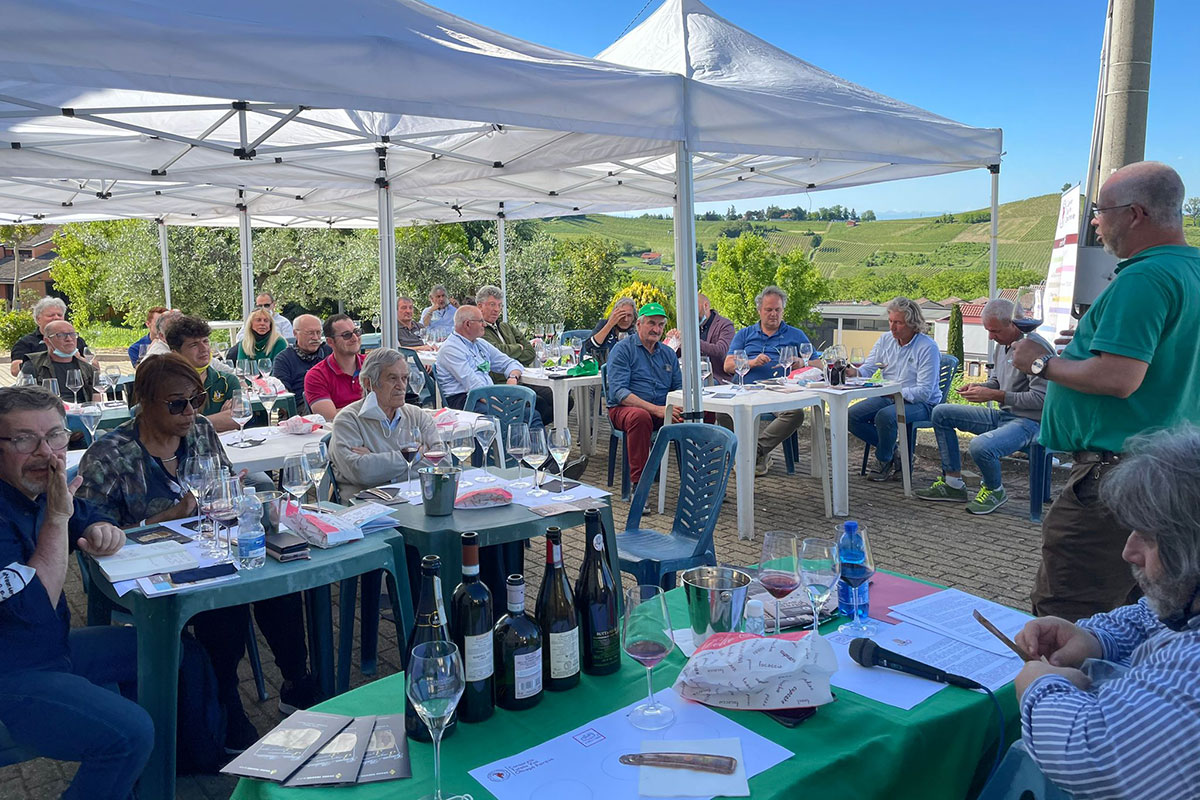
[(1128, 87)]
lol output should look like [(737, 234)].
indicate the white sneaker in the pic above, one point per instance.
[(764, 464)]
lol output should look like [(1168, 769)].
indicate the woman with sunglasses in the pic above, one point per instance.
[(131, 475)]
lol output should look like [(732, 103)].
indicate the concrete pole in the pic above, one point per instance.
[(1128, 92), (165, 255), (500, 242), (686, 288)]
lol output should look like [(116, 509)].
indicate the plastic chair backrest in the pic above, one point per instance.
[(508, 404), (947, 366), (705, 456), (329, 486), (425, 398), (582, 333), (75, 423)]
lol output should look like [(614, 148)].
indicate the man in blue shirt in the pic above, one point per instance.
[(438, 316), (135, 349), (641, 371), (762, 342)]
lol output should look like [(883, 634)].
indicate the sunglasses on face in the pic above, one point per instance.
[(176, 406), (266, 306), (346, 336)]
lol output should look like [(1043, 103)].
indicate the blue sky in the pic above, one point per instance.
[(1029, 67)]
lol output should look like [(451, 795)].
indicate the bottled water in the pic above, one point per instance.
[(252, 539), (754, 621), (850, 597)]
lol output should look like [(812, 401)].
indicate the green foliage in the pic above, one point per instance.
[(868, 216), (975, 217), (1192, 209), (14, 325), (102, 336), (746, 264), (954, 336), (591, 272), (643, 293)]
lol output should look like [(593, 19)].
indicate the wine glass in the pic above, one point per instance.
[(316, 461), (577, 346), (102, 382), (560, 449), (706, 370), (410, 449), (224, 497), (518, 447), (806, 352), (26, 379), (295, 477), (858, 565), (267, 395), (819, 570), (88, 355), (114, 378), (462, 447), (486, 429), (1027, 310), (787, 357), (445, 435), (536, 458), (75, 382), (777, 569), (198, 472), (245, 369), (416, 382), (857, 358), (741, 365), (540, 352), (646, 638), (435, 682), (241, 411), (90, 416), (51, 385)]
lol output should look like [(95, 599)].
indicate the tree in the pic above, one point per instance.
[(642, 293), (591, 276), (731, 214), (15, 236), (1066, 186), (954, 337), (746, 264), (1192, 209), (868, 216)]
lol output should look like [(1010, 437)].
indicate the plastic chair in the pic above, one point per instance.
[(582, 333), (426, 398), (947, 366), (614, 437), (1041, 464), (508, 404), (705, 456)]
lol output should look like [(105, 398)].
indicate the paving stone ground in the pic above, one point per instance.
[(994, 556)]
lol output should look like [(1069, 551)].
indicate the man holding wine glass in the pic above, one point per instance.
[(1011, 427), (1131, 366)]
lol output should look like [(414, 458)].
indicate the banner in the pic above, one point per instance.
[(1060, 279)]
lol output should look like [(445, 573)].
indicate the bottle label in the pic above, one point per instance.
[(252, 544), (564, 653), (516, 598), (606, 648), (478, 656), (598, 542), (527, 671), (438, 618)]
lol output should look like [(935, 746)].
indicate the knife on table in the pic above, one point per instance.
[(700, 762)]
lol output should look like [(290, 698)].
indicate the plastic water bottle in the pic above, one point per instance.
[(850, 598), (252, 539), (754, 622)]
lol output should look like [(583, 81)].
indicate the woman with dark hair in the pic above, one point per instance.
[(131, 475)]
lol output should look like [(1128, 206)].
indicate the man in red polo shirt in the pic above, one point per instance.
[(332, 384)]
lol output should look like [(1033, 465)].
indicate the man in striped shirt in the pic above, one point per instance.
[(1111, 710)]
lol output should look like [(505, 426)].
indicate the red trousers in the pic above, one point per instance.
[(638, 425)]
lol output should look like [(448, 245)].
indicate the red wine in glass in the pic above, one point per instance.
[(646, 652), (434, 456), (1026, 324), (779, 584), (411, 453)]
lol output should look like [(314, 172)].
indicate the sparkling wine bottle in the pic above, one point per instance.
[(557, 619), (471, 630), (430, 626), (518, 649), (596, 602)]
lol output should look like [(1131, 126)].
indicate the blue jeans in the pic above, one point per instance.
[(874, 421), (1000, 433)]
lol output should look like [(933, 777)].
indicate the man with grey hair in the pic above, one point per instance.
[(438, 316), (505, 338), (1132, 365), (908, 356), (1011, 427), (409, 332), (1108, 704), (59, 360), (45, 311), (619, 325)]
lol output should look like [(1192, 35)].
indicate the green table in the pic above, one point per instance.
[(855, 747), (159, 621)]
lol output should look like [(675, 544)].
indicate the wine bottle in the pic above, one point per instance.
[(518, 649), (471, 630), (430, 626), (596, 602), (557, 619)]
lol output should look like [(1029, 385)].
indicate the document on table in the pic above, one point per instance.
[(584, 762), (878, 683), (160, 584), (949, 613)]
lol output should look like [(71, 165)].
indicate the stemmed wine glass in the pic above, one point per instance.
[(410, 449), (241, 411), (486, 429), (819, 570), (741, 365), (416, 382), (706, 370), (114, 378), (857, 359), (224, 497), (560, 449), (267, 395), (777, 570), (646, 638), (316, 461), (90, 416), (445, 437), (787, 357), (102, 383), (198, 473), (806, 353), (858, 565), (245, 369), (518, 447), (75, 382), (462, 447), (1027, 310), (536, 458), (295, 477), (265, 365), (435, 682), (51, 385)]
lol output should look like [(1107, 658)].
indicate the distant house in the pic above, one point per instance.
[(975, 336), (36, 260), (860, 323), (851, 223), (652, 259)]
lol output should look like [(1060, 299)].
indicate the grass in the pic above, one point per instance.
[(102, 336)]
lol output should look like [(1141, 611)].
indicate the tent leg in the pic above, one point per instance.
[(686, 288), (387, 256), (246, 247), (995, 170), (164, 254), (501, 243)]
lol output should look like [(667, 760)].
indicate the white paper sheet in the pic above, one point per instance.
[(158, 585), (949, 613), (884, 685), (520, 496), (950, 655), (582, 763), (685, 641)]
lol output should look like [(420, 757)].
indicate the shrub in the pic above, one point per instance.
[(14, 325), (643, 293)]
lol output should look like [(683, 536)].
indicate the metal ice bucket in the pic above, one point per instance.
[(716, 598), (439, 488)]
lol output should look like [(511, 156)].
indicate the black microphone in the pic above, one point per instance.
[(869, 654)]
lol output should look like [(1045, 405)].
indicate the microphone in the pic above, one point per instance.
[(868, 654)]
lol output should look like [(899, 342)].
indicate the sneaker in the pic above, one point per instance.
[(883, 472), (987, 501), (574, 470), (298, 695), (943, 492), (240, 733), (764, 463)]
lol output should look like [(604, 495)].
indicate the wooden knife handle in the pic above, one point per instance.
[(700, 762)]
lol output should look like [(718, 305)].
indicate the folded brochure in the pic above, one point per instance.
[(338, 761), (278, 755)]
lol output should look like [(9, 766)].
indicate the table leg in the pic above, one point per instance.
[(320, 610), (902, 428), (839, 435), (559, 394), (747, 439), (816, 438), (347, 599), (158, 689), (820, 457)]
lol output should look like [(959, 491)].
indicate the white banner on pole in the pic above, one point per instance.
[(1060, 279)]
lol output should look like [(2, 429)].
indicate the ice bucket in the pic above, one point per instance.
[(716, 598), (439, 488)]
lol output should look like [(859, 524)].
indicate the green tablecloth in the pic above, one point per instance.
[(854, 747)]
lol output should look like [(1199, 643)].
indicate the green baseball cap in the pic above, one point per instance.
[(652, 310)]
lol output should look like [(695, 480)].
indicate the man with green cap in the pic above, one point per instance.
[(641, 371)]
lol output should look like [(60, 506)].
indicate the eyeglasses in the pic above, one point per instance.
[(56, 440), (176, 406), (1096, 212), (63, 335), (346, 336), (266, 306)]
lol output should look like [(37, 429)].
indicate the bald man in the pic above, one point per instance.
[(294, 363)]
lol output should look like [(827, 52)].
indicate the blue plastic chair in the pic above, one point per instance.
[(705, 455), (582, 333), (75, 425), (506, 403), (947, 366), (426, 398), (1041, 464)]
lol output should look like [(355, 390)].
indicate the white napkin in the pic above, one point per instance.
[(661, 782)]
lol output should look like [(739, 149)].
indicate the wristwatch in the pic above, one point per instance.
[(1039, 364)]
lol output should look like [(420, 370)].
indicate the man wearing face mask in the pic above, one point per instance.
[(59, 358)]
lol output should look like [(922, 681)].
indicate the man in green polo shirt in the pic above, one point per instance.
[(1132, 365), (188, 336)]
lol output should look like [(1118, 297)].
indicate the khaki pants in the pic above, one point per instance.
[(784, 425), (1082, 572)]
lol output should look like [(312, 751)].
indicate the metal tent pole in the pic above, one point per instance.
[(686, 288), (165, 255), (387, 255), (500, 242), (246, 249), (995, 170)]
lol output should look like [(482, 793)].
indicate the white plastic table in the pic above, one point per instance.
[(560, 388), (271, 453), (745, 407)]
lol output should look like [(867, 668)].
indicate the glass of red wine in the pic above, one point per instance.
[(439, 451), (1027, 310), (777, 569), (410, 448), (646, 638)]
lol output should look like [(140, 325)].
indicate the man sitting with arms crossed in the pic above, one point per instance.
[(438, 316), (1128, 729), (408, 330), (641, 372), (293, 364), (332, 384), (504, 337), (1012, 427)]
